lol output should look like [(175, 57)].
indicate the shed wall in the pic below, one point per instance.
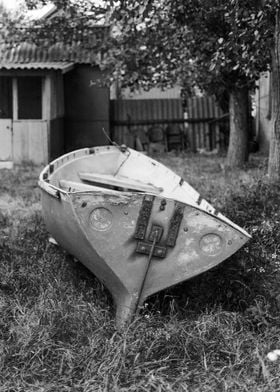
[(57, 95), (86, 108), (56, 115)]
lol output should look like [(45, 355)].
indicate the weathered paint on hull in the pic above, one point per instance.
[(108, 248), (107, 231)]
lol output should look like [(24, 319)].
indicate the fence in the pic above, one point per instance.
[(209, 130), (201, 128)]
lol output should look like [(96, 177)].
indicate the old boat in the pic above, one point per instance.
[(134, 223)]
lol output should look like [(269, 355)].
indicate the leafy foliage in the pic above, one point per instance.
[(10, 24), (217, 45)]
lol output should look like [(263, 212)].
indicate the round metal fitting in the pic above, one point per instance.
[(211, 244), (101, 219)]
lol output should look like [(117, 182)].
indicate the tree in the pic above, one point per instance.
[(9, 23), (219, 45)]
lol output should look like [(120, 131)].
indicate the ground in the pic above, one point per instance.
[(212, 333)]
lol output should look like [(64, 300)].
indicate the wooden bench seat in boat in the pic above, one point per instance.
[(75, 186), (121, 182)]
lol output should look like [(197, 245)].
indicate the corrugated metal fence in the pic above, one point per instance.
[(198, 122), (210, 130)]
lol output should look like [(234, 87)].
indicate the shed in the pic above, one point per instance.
[(50, 102)]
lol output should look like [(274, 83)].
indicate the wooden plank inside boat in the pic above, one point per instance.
[(74, 186), (123, 182)]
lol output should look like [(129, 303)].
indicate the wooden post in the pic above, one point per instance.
[(15, 99)]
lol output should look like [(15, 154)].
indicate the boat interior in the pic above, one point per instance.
[(108, 168), (117, 169)]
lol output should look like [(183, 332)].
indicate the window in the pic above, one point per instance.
[(29, 97), (6, 100)]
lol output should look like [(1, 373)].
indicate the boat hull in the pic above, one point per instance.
[(138, 244)]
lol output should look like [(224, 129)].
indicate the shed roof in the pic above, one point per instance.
[(59, 65), (59, 56)]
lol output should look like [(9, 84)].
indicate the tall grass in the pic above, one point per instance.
[(212, 333)]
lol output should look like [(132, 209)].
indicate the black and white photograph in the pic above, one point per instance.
[(139, 196)]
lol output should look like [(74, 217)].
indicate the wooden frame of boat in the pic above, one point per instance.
[(133, 222)]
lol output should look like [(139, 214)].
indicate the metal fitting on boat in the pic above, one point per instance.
[(123, 148)]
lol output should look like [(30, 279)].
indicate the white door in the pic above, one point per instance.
[(5, 139)]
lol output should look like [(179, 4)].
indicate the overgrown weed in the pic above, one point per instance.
[(212, 333)]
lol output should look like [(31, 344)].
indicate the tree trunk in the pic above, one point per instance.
[(239, 128), (274, 150)]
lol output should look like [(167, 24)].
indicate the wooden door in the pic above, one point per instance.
[(5, 140)]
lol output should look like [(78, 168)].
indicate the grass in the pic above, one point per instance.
[(212, 333)]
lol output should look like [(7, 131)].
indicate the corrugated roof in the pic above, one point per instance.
[(30, 56), (62, 66)]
